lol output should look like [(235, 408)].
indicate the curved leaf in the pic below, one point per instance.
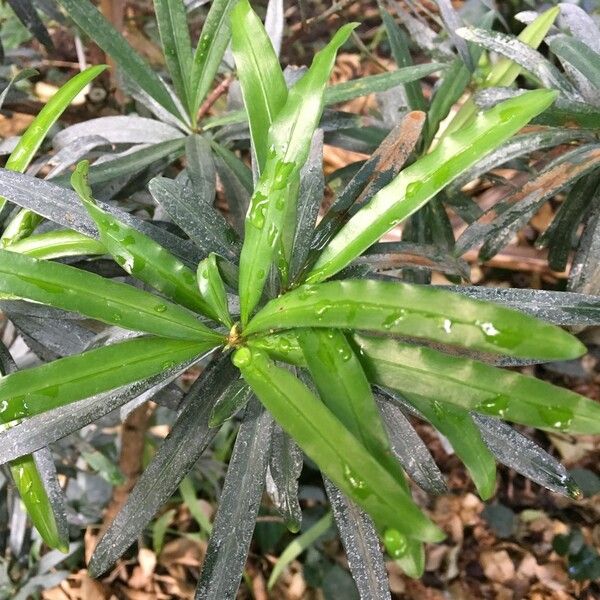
[(212, 289), (57, 244), (416, 311), (94, 296), (476, 386)]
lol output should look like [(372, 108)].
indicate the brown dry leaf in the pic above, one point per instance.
[(182, 551), (15, 125), (497, 566)]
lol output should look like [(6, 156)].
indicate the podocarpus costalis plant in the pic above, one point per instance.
[(318, 348)]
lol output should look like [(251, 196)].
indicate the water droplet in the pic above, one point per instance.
[(393, 319), (359, 487), (3, 406), (395, 543), (495, 406), (321, 309), (447, 326), (242, 358), (558, 417), (438, 408), (260, 273), (160, 308), (306, 291), (412, 189), (272, 235), (116, 317), (259, 210), (489, 329)]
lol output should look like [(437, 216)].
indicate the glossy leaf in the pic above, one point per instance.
[(458, 427), (200, 169), (211, 46), (30, 485), (212, 289), (73, 378), (229, 403), (518, 452), (343, 387), (27, 14), (238, 507), (140, 255), (361, 544), (171, 17), (476, 386), (58, 244), (181, 449), (261, 78), (48, 427), (273, 201), (423, 179), (97, 27), (337, 452), (415, 311), (97, 297)]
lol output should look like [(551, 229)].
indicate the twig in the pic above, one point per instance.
[(214, 96)]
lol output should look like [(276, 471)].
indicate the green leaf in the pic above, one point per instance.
[(273, 204), (396, 308), (337, 452), (33, 137), (263, 86), (66, 380), (99, 298), (295, 548), (370, 84), (140, 255), (401, 53), (212, 289), (159, 530), (209, 52), (419, 182), (96, 26), (458, 427), (58, 244), (476, 386), (31, 490), (578, 55), (343, 387), (171, 17), (188, 494)]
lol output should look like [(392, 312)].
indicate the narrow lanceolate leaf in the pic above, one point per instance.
[(476, 386), (416, 311), (458, 427), (285, 466), (171, 17), (273, 204), (140, 255), (343, 387), (181, 449), (27, 14), (212, 289), (96, 26), (96, 297), (228, 546), (30, 485), (337, 452), (423, 179), (518, 452), (33, 137), (205, 225), (58, 244), (201, 169), (411, 451), (574, 52), (361, 544), (73, 378), (263, 86), (211, 46)]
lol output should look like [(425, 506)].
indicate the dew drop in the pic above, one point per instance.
[(242, 358), (359, 487), (393, 319), (412, 189), (438, 408), (3, 406), (495, 406), (447, 326), (160, 308), (489, 329), (395, 543)]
